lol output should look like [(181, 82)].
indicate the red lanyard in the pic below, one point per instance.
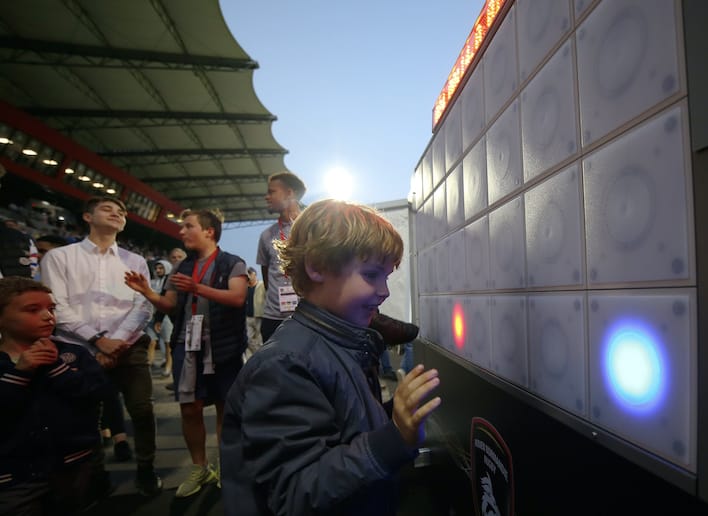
[(197, 278), (282, 236), (282, 233)]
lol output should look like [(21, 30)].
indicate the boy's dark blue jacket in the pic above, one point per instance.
[(50, 415), (305, 431)]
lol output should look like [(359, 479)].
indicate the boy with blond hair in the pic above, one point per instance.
[(50, 393), (305, 431)]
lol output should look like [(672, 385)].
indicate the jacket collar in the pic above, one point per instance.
[(344, 333)]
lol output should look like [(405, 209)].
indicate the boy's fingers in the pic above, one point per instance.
[(417, 377), (423, 412), (420, 386)]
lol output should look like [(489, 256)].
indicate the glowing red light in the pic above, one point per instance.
[(458, 326)]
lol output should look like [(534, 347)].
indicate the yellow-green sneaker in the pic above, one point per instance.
[(199, 476)]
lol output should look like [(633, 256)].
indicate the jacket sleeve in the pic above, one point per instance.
[(15, 391), (292, 442)]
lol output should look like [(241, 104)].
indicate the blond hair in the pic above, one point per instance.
[(328, 234)]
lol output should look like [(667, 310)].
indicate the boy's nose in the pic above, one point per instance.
[(383, 291)]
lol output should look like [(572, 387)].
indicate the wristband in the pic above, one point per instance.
[(95, 338)]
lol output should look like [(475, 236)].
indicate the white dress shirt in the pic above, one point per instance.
[(91, 294)]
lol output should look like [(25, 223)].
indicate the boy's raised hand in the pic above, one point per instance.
[(408, 417), (137, 282), (42, 352)]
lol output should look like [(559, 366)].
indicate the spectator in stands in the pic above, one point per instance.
[(96, 310), (285, 190), (206, 295), (254, 312), (176, 255), (305, 431), (46, 243), (160, 331), (18, 252), (49, 392)]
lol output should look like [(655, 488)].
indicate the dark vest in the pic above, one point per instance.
[(227, 323)]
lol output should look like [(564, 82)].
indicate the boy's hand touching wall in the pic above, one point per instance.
[(408, 417)]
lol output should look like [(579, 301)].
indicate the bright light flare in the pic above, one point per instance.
[(339, 184)]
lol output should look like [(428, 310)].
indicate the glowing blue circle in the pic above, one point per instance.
[(634, 367)]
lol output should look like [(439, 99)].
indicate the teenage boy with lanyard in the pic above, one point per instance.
[(205, 297)]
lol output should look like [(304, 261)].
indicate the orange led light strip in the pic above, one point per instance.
[(469, 51)]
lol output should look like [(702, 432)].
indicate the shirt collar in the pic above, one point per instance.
[(93, 248)]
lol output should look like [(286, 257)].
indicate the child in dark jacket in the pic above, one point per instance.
[(304, 429), (49, 394)]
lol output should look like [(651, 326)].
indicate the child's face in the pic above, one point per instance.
[(193, 235), (356, 292), (28, 316)]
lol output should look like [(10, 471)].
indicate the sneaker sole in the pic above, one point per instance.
[(195, 491)]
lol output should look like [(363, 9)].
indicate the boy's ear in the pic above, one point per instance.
[(87, 217), (314, 274)]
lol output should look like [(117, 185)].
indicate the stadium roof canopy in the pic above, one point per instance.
[(159, 88)]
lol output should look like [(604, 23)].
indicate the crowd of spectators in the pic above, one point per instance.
[(39, 223)]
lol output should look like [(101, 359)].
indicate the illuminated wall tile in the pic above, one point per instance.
[(455, 196), (425, 271), (457, 259), (427, 169), (554, 231), (627, 63), (478, 341), (428, 318), (504, 171), (548, 118), (476, 241), (636, 209), (509, 344), (440, 262), (438, 147), (417, 187), (643, 369), (444, 316), (439, 212), (472, 100), (501, 76), (539, 26), (453, 136), (474, 172), (557, 361), (506, 245), (424, 234)]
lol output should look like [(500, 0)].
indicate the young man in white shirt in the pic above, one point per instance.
[(95, 309), (205, 297)]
